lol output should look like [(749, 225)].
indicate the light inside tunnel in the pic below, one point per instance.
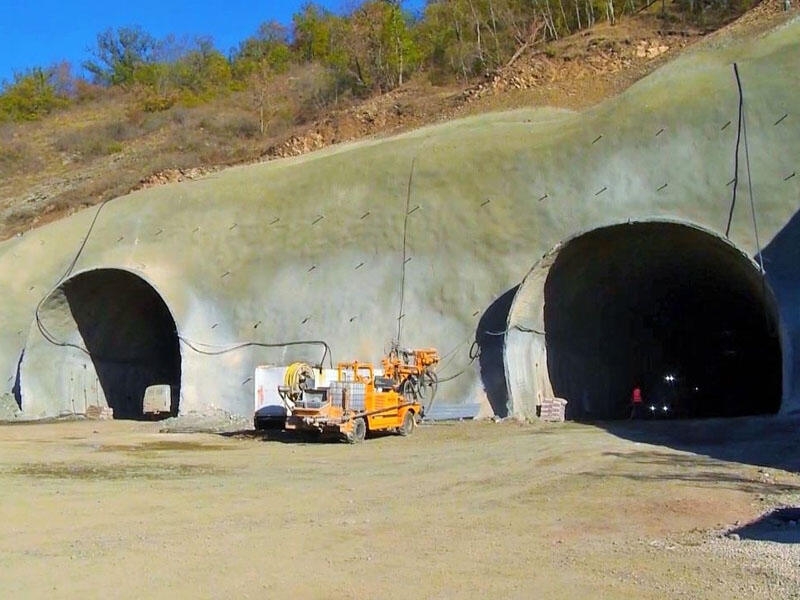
[(130, 336), (665, 307)]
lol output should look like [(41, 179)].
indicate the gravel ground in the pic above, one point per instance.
[(463, 510), (770, 569)]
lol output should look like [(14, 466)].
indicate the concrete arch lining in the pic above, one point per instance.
[(102, 336), (634, 303)]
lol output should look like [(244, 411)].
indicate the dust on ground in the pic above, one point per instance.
[(468, 510)]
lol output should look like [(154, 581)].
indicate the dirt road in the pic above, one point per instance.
[(470, 510)]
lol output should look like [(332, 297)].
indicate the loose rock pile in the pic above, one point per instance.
[(214, 420), (173, 176), (597, 57)]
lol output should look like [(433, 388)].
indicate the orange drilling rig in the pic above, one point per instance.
[(414, 371), (358, 401)]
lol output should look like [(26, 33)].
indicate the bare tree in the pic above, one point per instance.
[(267, 88), (589, 14)]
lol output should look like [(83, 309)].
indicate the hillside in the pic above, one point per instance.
[(102, 149)]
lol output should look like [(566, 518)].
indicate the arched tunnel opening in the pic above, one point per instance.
[(128, 332), (668, 308)]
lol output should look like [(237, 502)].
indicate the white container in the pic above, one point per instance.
[(267, 402)]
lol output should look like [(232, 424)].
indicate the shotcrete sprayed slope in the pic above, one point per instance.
[(311, 248)]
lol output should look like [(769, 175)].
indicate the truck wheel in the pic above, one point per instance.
[(359, 431), (409, 389), (407, 428), (428, 384)]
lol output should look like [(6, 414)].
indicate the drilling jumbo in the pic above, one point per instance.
[(360, 401)]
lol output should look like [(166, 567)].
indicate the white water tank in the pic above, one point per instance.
[(267, 403)]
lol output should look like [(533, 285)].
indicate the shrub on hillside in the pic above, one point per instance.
[(97, 140), (16, 156), (236, 125), (31, 96)]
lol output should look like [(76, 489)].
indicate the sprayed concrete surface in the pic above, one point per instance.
[(312, 248), (475, 510)]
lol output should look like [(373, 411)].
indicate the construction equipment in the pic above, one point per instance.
[(413, 370), (359, 400), (270, 408)]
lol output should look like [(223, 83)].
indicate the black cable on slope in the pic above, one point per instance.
[(193, 345), (39, 324), (736, 154), (750, 182), (239, 346), (515, 328), (769, 324), (405, 251)]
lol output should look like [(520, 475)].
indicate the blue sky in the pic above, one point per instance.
[(39, 33)]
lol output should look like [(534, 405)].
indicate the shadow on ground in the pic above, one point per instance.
[(781, 525), (767, 441), (295, 437), (278, 435), (699, 471)]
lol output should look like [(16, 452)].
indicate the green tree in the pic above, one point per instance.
[(452, 36), (404, 54), (33, 94), (200, 72), (259, 67), (313, 33), (119, 53), (267, 50), (379, 44)]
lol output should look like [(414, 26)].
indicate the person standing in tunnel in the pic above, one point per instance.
[(636, 403)]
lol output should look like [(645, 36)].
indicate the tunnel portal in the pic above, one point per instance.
[(129, 333), (669, 308)]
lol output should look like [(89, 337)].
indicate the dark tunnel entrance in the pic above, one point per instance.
[(130, 335), (669, 308)]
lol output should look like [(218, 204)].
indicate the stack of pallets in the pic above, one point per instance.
[(553, 409)]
